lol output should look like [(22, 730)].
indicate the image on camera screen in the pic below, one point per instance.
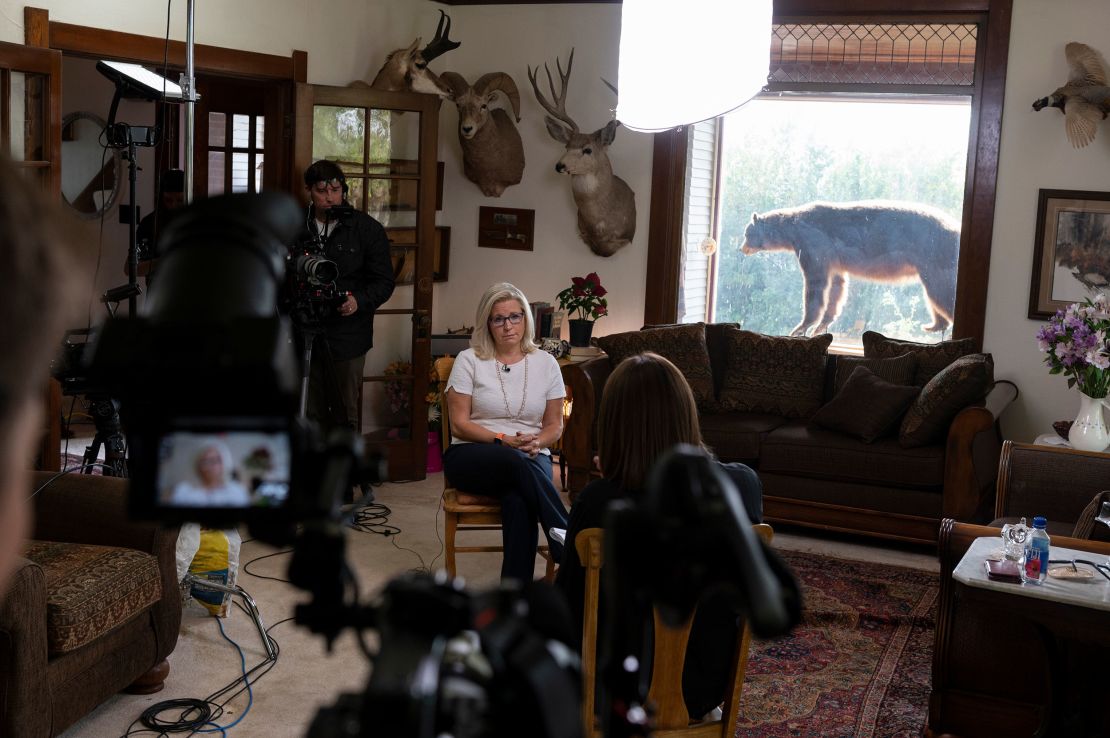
[(234, 469)]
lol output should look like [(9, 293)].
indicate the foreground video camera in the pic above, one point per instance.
[(207, 378)]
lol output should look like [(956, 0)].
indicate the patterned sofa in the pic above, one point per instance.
[(887, 450), (92, 608)]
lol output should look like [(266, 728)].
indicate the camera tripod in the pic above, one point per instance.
[(109, 434)]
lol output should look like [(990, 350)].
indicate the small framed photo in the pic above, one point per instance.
[(1071, 249), (506, 228)]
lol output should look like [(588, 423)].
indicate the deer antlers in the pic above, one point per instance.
[(558, 110), (441, 44)]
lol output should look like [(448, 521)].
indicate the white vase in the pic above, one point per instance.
[(1089, 431)]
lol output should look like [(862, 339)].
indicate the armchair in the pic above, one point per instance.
[(93, 607)]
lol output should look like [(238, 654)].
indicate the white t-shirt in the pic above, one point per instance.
[(479, 379), (231, 494)]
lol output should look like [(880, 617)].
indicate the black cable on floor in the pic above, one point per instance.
[(245, 568)]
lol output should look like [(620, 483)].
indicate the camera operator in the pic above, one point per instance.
[(358, 245), (171, 197), (40, 285)]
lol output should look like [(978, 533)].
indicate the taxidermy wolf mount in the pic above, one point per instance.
[(1085, 98), (878, 240), (406, 70), (606, 204)]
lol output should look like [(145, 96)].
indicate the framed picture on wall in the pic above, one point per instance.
[(1071, 249)]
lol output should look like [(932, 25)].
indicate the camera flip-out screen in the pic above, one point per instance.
[(223, 470)]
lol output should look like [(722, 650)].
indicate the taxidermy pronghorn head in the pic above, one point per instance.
[(606, 204), (406, 70)]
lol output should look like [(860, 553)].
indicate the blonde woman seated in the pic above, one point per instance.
[(648, 408), (505, 401), (214, 486)]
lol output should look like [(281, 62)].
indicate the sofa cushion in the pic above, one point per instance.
[(683, 345), (92, 589), (737, 436), (931, 357), (867, 407), (963, 382), (774, 374), (896, 369), (801, 449)]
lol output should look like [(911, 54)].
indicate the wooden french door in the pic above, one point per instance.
[(31, 136), (386, 144), (240, 142)]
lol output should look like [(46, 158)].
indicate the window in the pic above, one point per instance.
[(857, 109)]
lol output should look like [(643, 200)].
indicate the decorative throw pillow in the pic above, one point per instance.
[(683, 345), (963, 382), (931, 357), (774, 374), (868, 406), (896, 370)]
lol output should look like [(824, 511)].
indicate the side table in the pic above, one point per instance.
[(1013, 659)]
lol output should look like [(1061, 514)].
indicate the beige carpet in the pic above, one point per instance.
[(306, 675)]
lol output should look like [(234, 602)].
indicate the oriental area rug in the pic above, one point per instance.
[(857, 666)]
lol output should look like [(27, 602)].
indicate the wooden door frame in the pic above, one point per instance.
[(406, 457), (85, 41)]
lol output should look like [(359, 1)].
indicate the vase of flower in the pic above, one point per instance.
[(580, 332), (585, 298), (1089, 431)]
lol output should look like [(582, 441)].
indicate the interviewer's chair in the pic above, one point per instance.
[(665, 693), (464, 512)]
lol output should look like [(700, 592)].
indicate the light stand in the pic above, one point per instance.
[(134, 82)]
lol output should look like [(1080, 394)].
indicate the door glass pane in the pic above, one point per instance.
[(259, 131), (258, 172), (215, 172), (217, 129), (398, 136), (387, 404), (339, 134), (240, 131), (393, 202), (356, 192), (240, 172), (27, 96)]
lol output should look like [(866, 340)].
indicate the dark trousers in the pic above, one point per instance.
[(322, 407), (527, 496)]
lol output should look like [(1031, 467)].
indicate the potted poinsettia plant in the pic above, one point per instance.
[(586, 297), (1076, 343)]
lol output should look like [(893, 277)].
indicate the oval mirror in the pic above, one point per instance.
[(91, 174)]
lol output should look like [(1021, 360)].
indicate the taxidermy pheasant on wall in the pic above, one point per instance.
[(1085, 99)]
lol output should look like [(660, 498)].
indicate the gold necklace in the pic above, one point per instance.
[(505, 395)]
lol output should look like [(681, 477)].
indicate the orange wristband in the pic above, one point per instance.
[(498, 438)]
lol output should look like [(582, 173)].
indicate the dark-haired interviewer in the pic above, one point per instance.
[(360, 249)]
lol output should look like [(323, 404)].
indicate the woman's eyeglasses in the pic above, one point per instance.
[(512, 318)]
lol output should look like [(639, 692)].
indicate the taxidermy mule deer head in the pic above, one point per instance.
[(406, 70), (606, 204), (493, 155)]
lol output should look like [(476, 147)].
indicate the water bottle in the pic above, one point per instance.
[(1034, 562)]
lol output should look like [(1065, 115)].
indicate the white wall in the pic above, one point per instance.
[(1036, 155), (508, 39)]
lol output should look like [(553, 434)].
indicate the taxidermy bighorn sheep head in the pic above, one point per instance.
[(406, 70), (606, 204), (493, 155)]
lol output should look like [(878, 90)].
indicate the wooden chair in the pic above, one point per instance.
[(463, 512), (665, 693)]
